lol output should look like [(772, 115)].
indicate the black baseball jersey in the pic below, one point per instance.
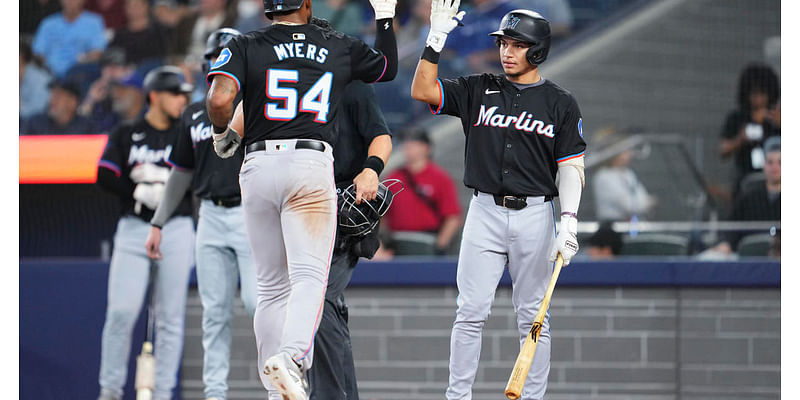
[(360, 121), (292, 78), (213, 177), (515, 138), (138, 143)]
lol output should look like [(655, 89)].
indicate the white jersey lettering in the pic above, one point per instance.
[(524, 122)]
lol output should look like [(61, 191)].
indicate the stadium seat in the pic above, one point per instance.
[(655, 244), (414, 243), (754, 245)]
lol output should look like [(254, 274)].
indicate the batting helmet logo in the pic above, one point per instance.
[(511, 22)]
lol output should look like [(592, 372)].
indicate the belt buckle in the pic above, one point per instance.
[(507, 198)]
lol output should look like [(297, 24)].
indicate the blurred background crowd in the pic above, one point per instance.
[(663, 178)]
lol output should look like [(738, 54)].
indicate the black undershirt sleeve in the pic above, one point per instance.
[(108, 181), (386, 42)]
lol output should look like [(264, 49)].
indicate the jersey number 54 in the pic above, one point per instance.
[(315, 100)]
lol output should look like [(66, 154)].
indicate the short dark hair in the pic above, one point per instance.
[(760, 77), (415, 133)]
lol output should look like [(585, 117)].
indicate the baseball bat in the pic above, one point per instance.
[(146, 362), (520, 372)]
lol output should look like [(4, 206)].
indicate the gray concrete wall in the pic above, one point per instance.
[(608, 343)]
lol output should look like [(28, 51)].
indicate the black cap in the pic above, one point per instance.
[(168, 78), (66, 85)]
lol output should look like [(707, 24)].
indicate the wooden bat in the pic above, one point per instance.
[(520, 372), (145, 362)]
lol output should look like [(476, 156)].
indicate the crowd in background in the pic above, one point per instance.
[(81, 61), (82, 64)]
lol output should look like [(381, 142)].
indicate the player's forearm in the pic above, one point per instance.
[(380, 147), (449, 228), (569, 189), (110, 182), (386, 42), (178, 183), (424, 86), (219, 101)]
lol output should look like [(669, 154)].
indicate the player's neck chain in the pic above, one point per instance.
[(287, 23)]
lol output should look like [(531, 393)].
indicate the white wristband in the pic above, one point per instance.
[(436, 40)]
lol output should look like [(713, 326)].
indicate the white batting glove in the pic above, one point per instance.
[(149, 194), (383, 8), (566, 240), (444, 18), (226, 143), (148, 172)]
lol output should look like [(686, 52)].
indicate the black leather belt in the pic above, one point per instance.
[(227, 202), (513, 202), (300, 144)]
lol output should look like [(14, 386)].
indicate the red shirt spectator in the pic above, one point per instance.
[(429, 203)]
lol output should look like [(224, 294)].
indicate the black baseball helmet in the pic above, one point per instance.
[(527, 26), (356, 220), (271, 6), (168, 78), (217, 41)]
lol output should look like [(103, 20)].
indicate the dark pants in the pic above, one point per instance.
[(333, 374)]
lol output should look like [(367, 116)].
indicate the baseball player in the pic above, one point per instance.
[(134, 167), (222, 250), (361, 133), (291, 75), (521, 129)]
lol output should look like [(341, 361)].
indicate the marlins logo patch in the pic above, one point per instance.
[(580, 126), (224, 57), (513, 20)]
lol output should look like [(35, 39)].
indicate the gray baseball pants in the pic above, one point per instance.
[(289, 201), (223, 260), (494, 238), (127, 286)]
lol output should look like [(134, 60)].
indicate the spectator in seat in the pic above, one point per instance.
[(112, 12), (605, 243), (619, 194), (33, 84), (128, 98), (194, 28), (761, 203), (98, 103), (70, 37), (142, 38), (757, 117), (429, 206), (61, 116)]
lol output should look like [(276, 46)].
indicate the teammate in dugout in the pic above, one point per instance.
[(292, 75), (222, 250), (521, 129), (133, 166)]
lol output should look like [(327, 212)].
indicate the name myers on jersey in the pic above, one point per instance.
[(523, 122), (297, 50), (144, 154), (200, 132)]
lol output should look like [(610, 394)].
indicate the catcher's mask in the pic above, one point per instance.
[(356, 220)]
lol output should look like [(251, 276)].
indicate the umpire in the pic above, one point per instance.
[(361, 133)]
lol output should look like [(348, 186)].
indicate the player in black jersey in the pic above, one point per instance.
[(521, 130), (291, 75), (134, 167), (222, 250)]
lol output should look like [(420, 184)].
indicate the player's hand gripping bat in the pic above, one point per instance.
[(520, 372), (145, 362)]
